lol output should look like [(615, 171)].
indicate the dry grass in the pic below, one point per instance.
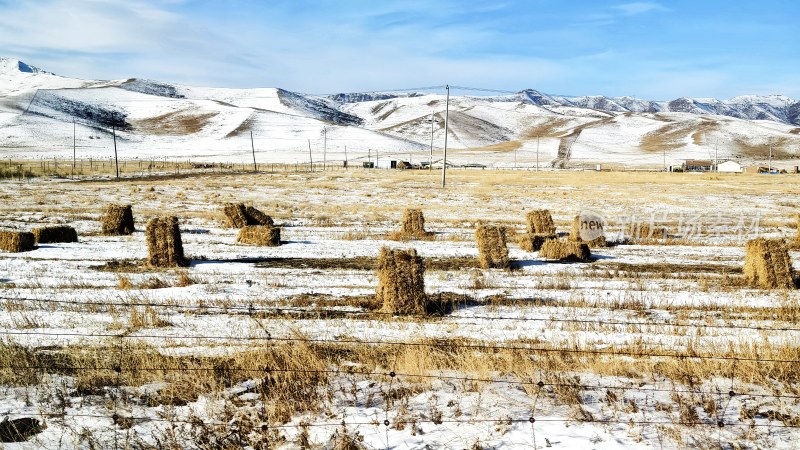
[(492, 249), (118, 220), (401, 282), (261, 235), (55, 234), (164, 245), (767, 264), (17, 241)]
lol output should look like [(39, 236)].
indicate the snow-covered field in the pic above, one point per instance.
[(652, 345)]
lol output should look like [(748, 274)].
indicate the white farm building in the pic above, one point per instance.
[(729, 167)]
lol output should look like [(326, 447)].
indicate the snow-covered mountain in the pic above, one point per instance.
[(38, 111)]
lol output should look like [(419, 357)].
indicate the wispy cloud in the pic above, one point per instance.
[(636, 8)]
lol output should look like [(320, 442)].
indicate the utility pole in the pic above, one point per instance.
[(253, 146), (345, 157), (515, 158), (310, 158), (665, 159), (430, 159), (73, 146), (716, 154), (770, 156), (537, 153), (446, 120), (114, 131), (324, 148)]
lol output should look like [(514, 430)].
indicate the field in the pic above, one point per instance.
[(656, 343)]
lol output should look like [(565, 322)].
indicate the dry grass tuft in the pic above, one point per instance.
[(401, 282), (263, 235), (767, 264), (164, 245), (240, 216), (565, 250), (50, 235), (118, 220), (533, 242), (492, 249), (540, 221), (16, 241)]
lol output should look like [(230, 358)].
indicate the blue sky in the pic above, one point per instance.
[(649, 49)]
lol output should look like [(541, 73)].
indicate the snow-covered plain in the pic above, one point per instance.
[(632, 301)]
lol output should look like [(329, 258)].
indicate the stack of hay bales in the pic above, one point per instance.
[(540, 229), (401, 282), (262, 235), (164, 245), (118, 220), (565, 251), (595, 227), (256, 228), (644, 230), (240, 216), (412, 227), (52, 235), (767, 264), (17, 241), (492, 250)]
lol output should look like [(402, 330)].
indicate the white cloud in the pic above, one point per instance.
[(635, 8)]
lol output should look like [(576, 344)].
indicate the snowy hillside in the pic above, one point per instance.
[(160, 119)]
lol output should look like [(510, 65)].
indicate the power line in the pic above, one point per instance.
[(532, 349), (250, 309)]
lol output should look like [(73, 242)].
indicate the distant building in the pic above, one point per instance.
[(757, 169), (697, 165), (729, 167)]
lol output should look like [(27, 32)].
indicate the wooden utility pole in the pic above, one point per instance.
[(537, 153), (310, 158), (446, 121), (253, 146), (345, 156), (74, 132), (324, 148), (116, 160), (430, 159)]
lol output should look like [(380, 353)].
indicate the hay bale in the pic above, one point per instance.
[(533, 242), (16, 241), (401, 282), (51, 235), (588, 229), (412, 227), (164, 245), (565, 250), (118, 220), (540, 221), (256, 217), (236, 214), (767, 264), (263, 235), (492, 250), (240, 216)]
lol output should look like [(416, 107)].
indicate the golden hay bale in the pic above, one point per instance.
[(401, 282), (540, 221), (492, 250), (118, 220), (16, 241), (565, 250), (51, 235), (533, 242), (263, 235), (588, 229), (164, 245), (256, 217), (767, 264), (236, 214), (644, 230), (412, 227)]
